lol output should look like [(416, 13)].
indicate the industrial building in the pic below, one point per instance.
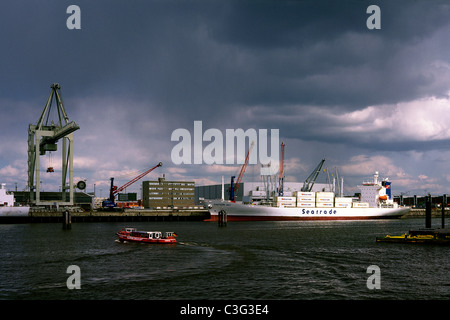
[(172, 194), (251, 191), (80, 199)]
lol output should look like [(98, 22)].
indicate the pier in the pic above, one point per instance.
[(127, 215), (222, 218)]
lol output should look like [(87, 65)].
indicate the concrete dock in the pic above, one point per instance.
[(127, 215)]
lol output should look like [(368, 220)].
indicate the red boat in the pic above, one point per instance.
[(133, 235)]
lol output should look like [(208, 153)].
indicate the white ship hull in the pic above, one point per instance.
[(7, 207), (247, 212), (14, 211)]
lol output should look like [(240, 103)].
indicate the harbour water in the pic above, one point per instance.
[(245, 260)]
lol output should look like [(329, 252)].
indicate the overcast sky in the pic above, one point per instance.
[(365, 100)]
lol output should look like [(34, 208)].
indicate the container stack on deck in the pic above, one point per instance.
[(340, 202), (286, 201), (306, 199), (303, 199), (324, 199)]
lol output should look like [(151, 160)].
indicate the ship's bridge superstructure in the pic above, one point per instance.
[(377, 193)]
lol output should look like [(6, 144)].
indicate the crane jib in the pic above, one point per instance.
[(129, 183)]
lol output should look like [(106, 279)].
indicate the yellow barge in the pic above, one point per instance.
[(432, 236)]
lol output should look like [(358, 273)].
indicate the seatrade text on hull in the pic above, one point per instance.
[(214, 152), (317, 211)]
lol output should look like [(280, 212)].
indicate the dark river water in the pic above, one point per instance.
[(245, 260)]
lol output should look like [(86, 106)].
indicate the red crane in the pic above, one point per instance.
[(234, 188), (114, 190)]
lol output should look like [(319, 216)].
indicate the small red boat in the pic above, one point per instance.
[(133, 235)]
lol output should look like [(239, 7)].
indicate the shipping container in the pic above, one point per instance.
[(132, 196), (306, 199), (324, 204), (127, 196), (324, 199), (306, 204), (343, 200), (343, 205), (286, 204), (360, 205), (286, 199), (304, 193), (325, 194)]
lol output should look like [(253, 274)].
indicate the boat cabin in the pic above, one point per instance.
[(133, 235), (133, 232), (146, 234)]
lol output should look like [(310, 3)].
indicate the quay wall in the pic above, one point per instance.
[(127, 215), (435, 213)]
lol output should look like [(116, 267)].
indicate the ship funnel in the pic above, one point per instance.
[(388, 189)]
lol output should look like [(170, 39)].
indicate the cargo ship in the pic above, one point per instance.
[(375, 202), (7, 207)]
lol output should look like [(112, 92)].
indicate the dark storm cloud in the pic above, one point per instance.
[(198, 54), (321, 53), (138, 70)]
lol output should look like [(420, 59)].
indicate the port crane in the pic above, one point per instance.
[(234, 187), (309, 182), (42, 138), (110, 202)]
